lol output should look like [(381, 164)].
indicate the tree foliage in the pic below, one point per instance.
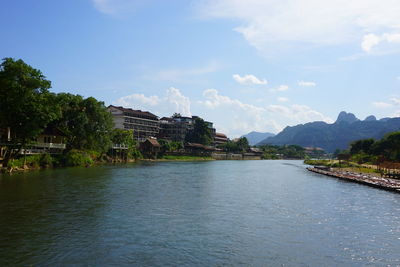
[(369, 150), (239, 146), (86, 122), (26, 104), (283, 152), (200, 134), (363, 145)]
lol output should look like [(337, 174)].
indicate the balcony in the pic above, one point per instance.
[(50, 145)]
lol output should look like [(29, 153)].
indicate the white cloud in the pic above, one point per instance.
[(280, 88), (270, 23), (231, 116), (303, 83), (249, 79), (371, 41), (382, 105), (282, 99), (241, 118), (299, 113), (395, 100), (393, 105), (179, 75), (181, 102), (236, 117), (139, 98), (173, 101)]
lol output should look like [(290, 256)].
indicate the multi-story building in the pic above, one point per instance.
[(220, 139), (143, 123), (175, 128)]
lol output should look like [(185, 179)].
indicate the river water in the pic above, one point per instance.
[(250, 213)]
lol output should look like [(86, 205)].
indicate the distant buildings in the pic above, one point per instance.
[(147, 125), (220, 139), (143, 123), (175, 128)]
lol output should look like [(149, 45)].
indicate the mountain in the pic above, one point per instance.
[(370, 118), (338, 135), (346, 117), (256, 137)]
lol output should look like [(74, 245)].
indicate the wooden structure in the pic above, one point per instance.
[(150, 148), (389, 169)]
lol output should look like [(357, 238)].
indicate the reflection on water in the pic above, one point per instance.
[(195, 213)]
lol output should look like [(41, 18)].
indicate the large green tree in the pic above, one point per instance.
[(26, 105), (86, 122), (388, 147), (363, 145)]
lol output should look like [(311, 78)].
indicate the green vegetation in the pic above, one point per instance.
[(283, 152), (169, 146), (185, 158), (125, 138), (239, 146), (34, 161), (28, 108), (86, 122), (371, 151), (201, 133), (26, 104), (78, 158)]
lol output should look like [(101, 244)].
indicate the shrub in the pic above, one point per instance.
[(30, 161), (45, 160), (77, 158)]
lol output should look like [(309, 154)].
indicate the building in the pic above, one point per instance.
[(175, 128), (143, 123), (220, 139), (51, 141), (150, 148)]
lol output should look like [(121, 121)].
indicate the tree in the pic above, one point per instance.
[(125, 138), (242, 144), (86, 122), (363, 145), (26, 104), (200, 134), (388, 147)]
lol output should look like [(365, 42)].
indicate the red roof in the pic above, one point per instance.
[(153, 142)]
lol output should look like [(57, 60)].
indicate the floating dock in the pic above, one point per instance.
[(366, 179)]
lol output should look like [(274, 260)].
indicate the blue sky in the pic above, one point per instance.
[(243, 64)]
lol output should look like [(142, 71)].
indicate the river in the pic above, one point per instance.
[(236, 213)]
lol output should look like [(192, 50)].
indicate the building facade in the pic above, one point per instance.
[(220, 139), (143, 123), (175, 128)]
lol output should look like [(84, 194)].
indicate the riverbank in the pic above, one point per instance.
[(35, 164), (180, 158), (361, 178)]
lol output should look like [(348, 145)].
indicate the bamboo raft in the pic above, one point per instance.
[(374, 181)]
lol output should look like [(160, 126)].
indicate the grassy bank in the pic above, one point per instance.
[(73, 158), (183, 158), (344, 166)]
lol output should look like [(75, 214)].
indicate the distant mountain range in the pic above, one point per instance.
[(256, 137), (338, 135)]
